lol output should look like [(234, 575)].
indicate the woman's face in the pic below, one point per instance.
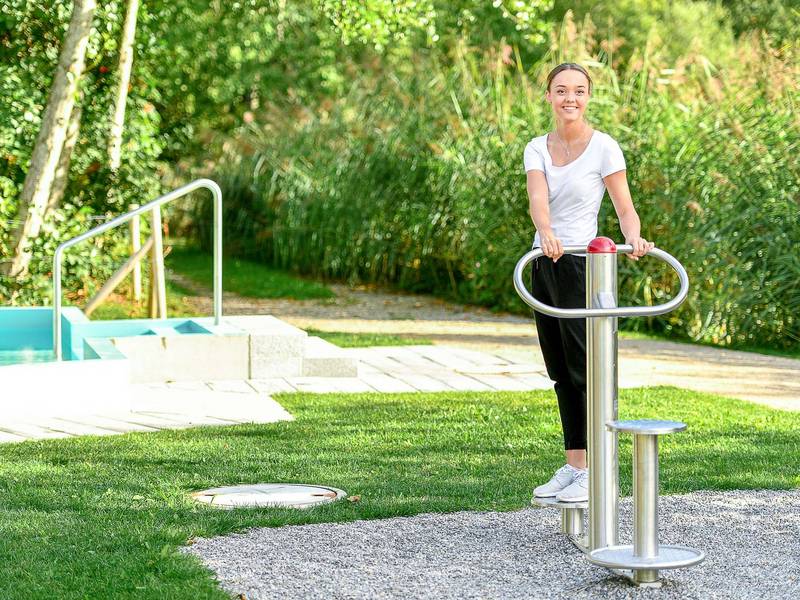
[(568, 95)]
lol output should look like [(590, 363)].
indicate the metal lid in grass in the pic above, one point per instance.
[(276, 495)]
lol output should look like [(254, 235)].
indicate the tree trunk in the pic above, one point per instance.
[(118, 126), (50, 141), (121, 98), (62, 170)]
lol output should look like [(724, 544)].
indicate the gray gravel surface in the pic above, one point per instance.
[(751, 540)]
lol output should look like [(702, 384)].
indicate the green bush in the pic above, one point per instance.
[(417, 180)]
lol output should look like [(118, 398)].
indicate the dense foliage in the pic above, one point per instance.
[(198, 66), (416, 180)]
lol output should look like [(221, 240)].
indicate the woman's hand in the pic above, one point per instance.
[(640, 247), (551, 245)]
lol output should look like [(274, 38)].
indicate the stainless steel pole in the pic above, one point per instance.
[(645, 501), (572, 521), (216, 194), (601, 394)]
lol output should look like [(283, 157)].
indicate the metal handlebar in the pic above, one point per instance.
[(609, 310), (216, 196)]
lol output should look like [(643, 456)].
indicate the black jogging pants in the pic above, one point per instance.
[(563, 341)]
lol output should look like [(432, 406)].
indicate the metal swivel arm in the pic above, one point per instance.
[(609, 308)]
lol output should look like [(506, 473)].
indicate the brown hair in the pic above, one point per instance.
[(568, 67)]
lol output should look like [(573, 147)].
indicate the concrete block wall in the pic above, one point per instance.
[(242, 347)]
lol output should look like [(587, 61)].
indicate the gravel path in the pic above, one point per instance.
[(751, 539)]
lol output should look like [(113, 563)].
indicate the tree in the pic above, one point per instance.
[(198, 66), (49, 144), (121, 97)]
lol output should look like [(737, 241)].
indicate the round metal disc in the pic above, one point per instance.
[(669, 557), (277, 495), (551, 502), (646, 426)]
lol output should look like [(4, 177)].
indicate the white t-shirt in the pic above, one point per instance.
[(576, 189)]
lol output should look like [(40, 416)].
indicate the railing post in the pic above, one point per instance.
[(217, 198), (57, 302), (136, 243), (601, 394), (157, 278)]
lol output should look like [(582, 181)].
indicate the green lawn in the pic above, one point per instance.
[(244, 277), (363, 340), (103, 517)]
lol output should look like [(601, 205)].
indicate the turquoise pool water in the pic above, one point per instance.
[(15, 357)]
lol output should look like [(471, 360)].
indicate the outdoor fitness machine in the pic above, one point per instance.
[(645, 557)]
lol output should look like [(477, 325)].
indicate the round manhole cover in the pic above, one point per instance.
[(281, 495)]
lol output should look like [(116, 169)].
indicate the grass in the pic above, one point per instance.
[(120, 306), (364, 340), (104, 516), (244, 277)]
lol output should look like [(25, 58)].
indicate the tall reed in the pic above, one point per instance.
[(415, 179)]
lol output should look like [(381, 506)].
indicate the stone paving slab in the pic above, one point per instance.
[(444, 368), (159, 406), (750, 539)]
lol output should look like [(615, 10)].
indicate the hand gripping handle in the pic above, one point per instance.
[(623, 311)]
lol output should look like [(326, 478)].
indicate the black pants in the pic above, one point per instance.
[(563, 341)]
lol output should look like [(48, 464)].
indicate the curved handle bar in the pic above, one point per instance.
[(624, 311)]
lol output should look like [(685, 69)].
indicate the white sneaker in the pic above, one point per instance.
[(578, 490), (562, 478)]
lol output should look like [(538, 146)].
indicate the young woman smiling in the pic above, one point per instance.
[(568, 172)]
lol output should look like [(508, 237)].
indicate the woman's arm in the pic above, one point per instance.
[(617, 186), (539, 208)]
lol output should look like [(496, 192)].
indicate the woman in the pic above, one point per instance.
[(568, 172)]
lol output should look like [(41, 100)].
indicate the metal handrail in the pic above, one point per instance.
[(216, 194), (624, 311)]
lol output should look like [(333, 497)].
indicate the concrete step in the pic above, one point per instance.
[(323, 359), (276, 348)]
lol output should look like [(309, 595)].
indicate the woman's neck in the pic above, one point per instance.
[(573, 131)]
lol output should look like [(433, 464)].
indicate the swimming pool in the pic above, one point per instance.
[(26, 334), (95, 375), (24, 357)]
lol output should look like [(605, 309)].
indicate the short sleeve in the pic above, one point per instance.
[(613, 159), (533, 158)]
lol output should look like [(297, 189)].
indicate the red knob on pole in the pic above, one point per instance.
[(602, 245)]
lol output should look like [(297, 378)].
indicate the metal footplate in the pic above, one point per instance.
[(572, 514), (645, 557)]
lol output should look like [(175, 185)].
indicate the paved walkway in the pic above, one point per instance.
[(474, 349), (428, 368), (769, 380)]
